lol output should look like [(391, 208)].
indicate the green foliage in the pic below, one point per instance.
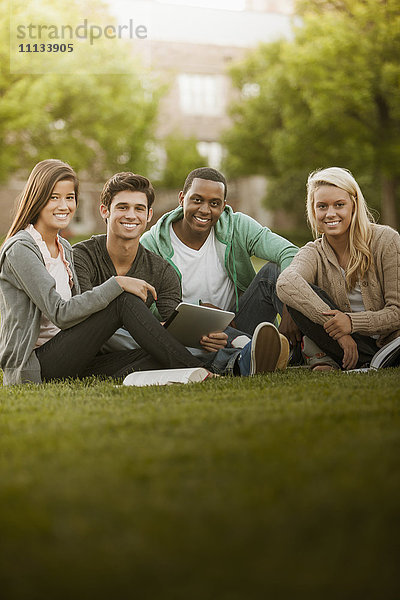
[(330, 96), (300, 237), (95, 113), (279, 486), (181, 157)]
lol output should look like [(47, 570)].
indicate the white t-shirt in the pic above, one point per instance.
[(354, 296), (204, 276), (57, 268), (356, 299)]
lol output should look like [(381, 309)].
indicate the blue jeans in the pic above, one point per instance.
[(224, 361), (259, 302)]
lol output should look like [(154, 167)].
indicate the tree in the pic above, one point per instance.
[(181, 157), (85, 114), (329, 96)]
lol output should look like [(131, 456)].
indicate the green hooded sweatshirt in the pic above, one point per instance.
[(243, 237)]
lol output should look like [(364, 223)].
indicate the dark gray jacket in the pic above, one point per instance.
[(94, 266)]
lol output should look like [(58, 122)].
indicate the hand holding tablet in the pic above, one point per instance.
[(190, 322)]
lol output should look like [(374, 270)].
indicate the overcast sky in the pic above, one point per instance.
[(181, 21)]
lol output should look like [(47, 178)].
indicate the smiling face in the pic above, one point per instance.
[(333, 210), (202, 205), (127, 216), (59, 210)]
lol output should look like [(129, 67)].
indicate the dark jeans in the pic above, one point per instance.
[(366, 345), (74, 351), (259, 302)]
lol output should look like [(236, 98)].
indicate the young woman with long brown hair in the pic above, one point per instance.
[(48, 329)]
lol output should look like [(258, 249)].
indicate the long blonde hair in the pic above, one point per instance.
[(38, 190), (360, 227)]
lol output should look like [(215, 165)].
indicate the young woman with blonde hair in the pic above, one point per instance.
[(48, 329), (343, 289)]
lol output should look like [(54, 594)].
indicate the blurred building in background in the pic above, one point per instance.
[(190, 46)]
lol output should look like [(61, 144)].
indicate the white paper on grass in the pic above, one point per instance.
[(166, 376)]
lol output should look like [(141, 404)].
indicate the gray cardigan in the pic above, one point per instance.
[(26, 291)]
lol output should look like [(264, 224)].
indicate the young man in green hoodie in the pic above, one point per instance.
[(210, 246)]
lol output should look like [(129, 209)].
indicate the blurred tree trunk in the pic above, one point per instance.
[(389, 209)]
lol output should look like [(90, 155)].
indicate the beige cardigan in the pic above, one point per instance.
[(316, 263)]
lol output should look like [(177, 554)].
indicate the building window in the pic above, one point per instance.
[(212, 151), (201, 94)]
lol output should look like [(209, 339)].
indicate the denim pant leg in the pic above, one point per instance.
[(232, 334), (259, 302), (366, 345), (70, 352), (223, 361)]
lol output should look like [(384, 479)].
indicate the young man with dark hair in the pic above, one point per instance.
[(126, 202), (127, 181), (126, 206), (210, 246), (206, 173)]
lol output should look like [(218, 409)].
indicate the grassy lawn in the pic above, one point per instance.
[(280, 486)]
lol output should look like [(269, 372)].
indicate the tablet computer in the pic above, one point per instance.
[(189, 322)]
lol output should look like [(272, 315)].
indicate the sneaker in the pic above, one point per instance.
[(261, 355), (240, 341)]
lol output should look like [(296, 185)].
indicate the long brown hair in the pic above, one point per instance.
[(38, 190)]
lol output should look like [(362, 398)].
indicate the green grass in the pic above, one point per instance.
[(279, 486)]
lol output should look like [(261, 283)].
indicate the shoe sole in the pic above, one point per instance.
[(284, 355), (265, 349)]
